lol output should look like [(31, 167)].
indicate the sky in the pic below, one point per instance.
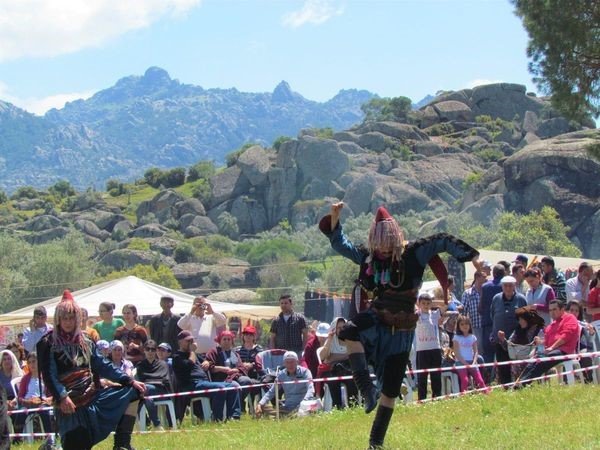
[(53, 51)]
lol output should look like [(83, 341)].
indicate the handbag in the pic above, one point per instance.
[(519, 351)]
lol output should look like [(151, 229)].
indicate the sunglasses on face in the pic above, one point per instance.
[(150, 349)]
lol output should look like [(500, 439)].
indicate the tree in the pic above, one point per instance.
[(62, 189), (379, 109), (25, 192), (202, 170), (153, 176), (161, 275), (3, 197), (173, 178), (564, 47)]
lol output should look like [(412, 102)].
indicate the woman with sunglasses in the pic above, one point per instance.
[(107, 325), (154, 373)]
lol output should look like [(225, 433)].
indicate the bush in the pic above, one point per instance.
[(232, 158), (160, 275), (3, 197), (153, 177), (147, 219), (202, 191), (489, 154), (280, 140), (173, 178), (184, 253), (115, 188), (202, 170), (62, 189), (228, 225), (25, 192), (269, 250), (323, 133), (138, 244), (440, 129), (471, 179)]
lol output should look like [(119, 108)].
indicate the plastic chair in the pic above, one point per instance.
[(206, 409), (28, 422), (162, 406), (450, 384), (565, 368)]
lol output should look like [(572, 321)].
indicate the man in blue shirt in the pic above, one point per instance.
[(488, 291), (504, 319), (294, 393)]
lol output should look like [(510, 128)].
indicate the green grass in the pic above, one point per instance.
[(548, 417)]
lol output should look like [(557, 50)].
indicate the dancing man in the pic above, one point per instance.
[(71, 368), (382, 335)]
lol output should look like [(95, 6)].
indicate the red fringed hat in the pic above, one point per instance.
[(67, 295), (224, 333), (382, 214)]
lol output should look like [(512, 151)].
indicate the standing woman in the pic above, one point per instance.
[(71, 368), (107, 325), (539, 294), (132, 335)]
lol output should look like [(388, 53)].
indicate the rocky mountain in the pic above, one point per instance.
[(517, 152), (153, 120)]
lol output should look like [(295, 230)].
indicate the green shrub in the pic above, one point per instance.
[(202, 191), (489, 154), (3, 197), (153, 177), (25, 192), (184, 253), (201, 170), (138, 244), (440, 129), (62, 189), (232, 158), (472, 179), (173, 178), (280, 140)]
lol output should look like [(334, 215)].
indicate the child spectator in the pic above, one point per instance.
[(465, 350), (428, 346)]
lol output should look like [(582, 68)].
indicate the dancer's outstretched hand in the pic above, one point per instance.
[(141, 387), (336, 210)]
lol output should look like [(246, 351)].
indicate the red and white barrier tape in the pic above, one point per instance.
[(443, 397), (340, 378)]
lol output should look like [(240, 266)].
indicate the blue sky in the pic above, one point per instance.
[(57, 50)]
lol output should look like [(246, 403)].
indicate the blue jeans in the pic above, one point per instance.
[(218, 400), (153, 389)]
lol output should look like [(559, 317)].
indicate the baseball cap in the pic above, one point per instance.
[(185, 336), (521, 258), (323, 329), (290, 355), (487, 264), (165, 346)]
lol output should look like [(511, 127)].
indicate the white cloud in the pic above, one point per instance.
[(480, 82), (42, 28), (315, 12), (40, 106)]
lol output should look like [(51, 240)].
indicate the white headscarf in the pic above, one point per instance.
[(16, 369), (336, 346)]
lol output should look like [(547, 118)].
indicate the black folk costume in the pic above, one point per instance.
[(386, 328), (71, 366)]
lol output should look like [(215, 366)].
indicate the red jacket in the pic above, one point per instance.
[(567, 328)]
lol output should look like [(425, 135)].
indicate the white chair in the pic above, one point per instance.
[(565, 369), (28, 422), (450, 384), (162, 406), (206, 409)]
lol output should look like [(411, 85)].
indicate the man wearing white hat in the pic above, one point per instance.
[(504, 319), (294, 392)]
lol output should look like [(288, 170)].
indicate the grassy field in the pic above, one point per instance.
[(548, 417)]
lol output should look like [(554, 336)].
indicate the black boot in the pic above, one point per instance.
[(123, 433), (362, 378), (380, 426)]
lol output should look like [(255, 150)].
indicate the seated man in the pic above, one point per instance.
[(154, 373), (191, 374), (294, 393), (561, 338)]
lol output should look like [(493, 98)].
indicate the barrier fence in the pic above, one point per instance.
[(575, 356)]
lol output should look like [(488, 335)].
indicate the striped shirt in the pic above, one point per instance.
[(470, 301)]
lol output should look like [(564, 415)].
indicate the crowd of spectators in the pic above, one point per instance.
[(509, 311)]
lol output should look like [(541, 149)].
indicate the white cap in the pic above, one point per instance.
[(290, 355), (508, 279), (323, 329)]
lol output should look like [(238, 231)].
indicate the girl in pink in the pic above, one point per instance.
[(465, 351)]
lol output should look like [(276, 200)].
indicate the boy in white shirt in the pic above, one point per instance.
[(428, 348)]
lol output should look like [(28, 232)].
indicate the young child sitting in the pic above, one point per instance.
[(465, 350)]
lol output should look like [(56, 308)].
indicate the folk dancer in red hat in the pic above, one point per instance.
[(71, 368), (381, 334)]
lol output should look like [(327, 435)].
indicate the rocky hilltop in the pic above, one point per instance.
[(479, 151), (154, 120)]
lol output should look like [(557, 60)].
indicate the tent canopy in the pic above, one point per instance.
[(144, 295)]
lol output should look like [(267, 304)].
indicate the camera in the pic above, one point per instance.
[(203, 306)]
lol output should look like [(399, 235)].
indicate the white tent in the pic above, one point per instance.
[(144, 295)]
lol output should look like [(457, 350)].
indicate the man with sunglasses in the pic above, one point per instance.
[(37, 328), (154, 373)]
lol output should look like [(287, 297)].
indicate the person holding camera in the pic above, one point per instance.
[(202, 322)]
